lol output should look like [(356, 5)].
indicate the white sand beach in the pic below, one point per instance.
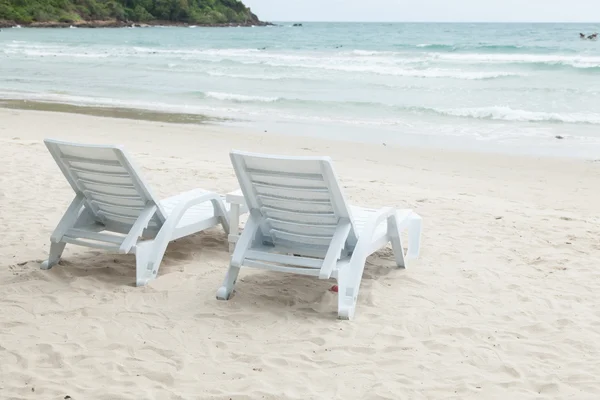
[(502, 303)]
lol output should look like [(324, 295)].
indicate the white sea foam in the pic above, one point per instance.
[(577, 61), (357, 60), (369, 53), (48, 50), (509, 114), (240, 98), (262, 77), (397, 71)]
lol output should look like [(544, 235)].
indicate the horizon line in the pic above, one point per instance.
[(436, 22)]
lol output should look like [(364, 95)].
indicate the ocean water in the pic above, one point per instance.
[(500, 87)]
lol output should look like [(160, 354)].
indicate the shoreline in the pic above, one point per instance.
[(249, 138), (467, 146), (334, 134), (136, 114), (129, 24)]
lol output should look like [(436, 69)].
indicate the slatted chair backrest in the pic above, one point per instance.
[(298, 200), (114, 191)]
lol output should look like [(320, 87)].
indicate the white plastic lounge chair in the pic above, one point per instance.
[(300, 223), (114, 208)]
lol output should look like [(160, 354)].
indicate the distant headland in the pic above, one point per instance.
[(126, 13)]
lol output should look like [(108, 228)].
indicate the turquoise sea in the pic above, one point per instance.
[(506, 87)]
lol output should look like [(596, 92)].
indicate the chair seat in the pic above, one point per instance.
[(196, 214)]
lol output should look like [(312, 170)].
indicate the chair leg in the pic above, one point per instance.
[(347, 295), (145, 269), (237, 258), (414, 236), (396, 239), (234, 228), (225, 291), (56, 250), (221, 212), (71, 218)]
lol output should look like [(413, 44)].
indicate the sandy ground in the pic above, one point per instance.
[(502, 303)]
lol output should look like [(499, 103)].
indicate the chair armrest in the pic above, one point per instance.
[(366, 236), (235, 197), (186, 201)]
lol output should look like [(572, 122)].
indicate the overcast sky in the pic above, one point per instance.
[(427, 10)]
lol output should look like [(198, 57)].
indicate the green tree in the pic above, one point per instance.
[(69, 11), (140, 14)]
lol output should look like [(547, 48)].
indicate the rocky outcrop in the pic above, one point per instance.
[(125, 13), (125, 24)]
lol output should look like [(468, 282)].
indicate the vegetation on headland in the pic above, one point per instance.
[(124, 12)]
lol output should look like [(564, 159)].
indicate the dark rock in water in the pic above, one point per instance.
[(6, 24), (559, 137), (297, 25)]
